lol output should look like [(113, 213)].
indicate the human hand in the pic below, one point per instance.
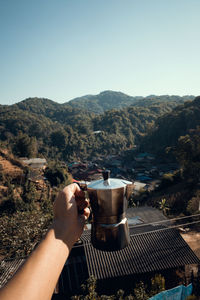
[(68, 221)]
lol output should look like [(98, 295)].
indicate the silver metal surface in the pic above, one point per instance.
[(108, 200), (110, 183), (111, 237), (108, 206), (123, 221)]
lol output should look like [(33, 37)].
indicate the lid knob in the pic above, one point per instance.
[(106, 174)]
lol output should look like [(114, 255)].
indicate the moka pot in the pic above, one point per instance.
[(108, 200)]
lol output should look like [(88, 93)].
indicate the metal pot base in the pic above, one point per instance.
[(110, 237)]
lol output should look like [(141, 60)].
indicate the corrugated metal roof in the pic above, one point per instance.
[(147, 252), (147, 213), (85, 237)]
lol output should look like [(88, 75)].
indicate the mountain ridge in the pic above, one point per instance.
[(104, 101)]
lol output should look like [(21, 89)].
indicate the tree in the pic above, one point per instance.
[(58, 139), (90, 288), (25, 146), (187, 153), (57, 175), (29, 196), (140, 291), (157, 284), (194, 203)]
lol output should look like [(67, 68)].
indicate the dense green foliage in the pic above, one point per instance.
[(169, 127), (177, 133), (179, 192), (187, 153), (21, 231), (67, 132), (57, 175), (140, 290)]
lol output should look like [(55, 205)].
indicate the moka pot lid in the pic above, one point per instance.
[(108, 183)]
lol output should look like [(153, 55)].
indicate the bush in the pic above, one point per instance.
[(167, 180), (20, 232), (140, 290), (57, 175), (193, 204)]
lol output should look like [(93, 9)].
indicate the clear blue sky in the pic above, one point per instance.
[(62, 49)]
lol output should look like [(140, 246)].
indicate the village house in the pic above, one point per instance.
[(35, 163), (97, 131)]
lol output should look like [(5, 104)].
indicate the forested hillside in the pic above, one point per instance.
[(179, 192), (43, 127), (177, 133), (169, 127), (108, 100)]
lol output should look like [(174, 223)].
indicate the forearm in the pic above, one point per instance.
[(38, 276)]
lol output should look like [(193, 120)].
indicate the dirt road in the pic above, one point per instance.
[(193, 240)]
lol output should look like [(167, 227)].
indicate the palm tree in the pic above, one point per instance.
[(163, 206)]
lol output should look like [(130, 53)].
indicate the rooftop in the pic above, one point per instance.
[(147, 252), (153, 247), (35, 161)]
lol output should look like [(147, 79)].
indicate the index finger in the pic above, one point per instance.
[(73, 188)]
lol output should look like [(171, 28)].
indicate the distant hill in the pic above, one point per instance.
[(97, 104), (108, 100), (14, 120), (169, 127), (56, 112), (67, 132), (38, 105)]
